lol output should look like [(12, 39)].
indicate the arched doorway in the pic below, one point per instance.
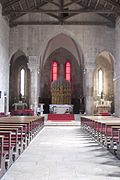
[(103, 81), (19, 80)]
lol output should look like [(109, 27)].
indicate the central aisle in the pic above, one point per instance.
[(64, 153)]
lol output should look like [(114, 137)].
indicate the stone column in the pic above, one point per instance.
[(117, 68), (33, 65), (89, 83)]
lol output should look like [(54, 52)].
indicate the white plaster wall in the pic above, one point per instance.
[(4, 59)]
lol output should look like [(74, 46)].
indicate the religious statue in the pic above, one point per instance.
[(102, 95), (20, 97)]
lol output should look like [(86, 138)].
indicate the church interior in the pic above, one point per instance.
[(59, 71)]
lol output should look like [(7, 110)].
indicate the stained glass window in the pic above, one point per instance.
[(68, 71), (100, 81), (54, 71), (22, 82)]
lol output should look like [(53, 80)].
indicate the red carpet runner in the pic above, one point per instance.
[(61, 117)]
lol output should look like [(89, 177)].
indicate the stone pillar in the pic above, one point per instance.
[(33, 65), (89, 83), (117, 68)]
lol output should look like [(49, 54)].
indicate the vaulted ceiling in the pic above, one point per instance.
[(61, 11)]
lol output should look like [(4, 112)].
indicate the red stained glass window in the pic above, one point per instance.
[(54, 71), (68, 71)]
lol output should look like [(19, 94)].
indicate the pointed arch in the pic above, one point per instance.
[(16, 55), (63, 40), (19, 79), (108, 56), (103, 77)]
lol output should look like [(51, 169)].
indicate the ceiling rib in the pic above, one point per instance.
[(65, 23), (62, 10), (100, 11)]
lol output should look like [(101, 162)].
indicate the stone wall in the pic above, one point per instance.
[(4, 61), (32, 40)]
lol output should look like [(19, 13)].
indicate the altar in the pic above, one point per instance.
[(103, 106), (19, 105), (60, 108)]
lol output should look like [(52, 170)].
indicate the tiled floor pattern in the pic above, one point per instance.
[(64, 153)]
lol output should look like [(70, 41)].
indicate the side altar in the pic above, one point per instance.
[(103, 106)]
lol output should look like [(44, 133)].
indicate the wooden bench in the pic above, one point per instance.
[(16, 134), (22, 133), (16, 139), (105, 130), (2, 156), (7, 148)]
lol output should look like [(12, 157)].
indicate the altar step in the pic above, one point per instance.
[(61, 117), (60, 123)]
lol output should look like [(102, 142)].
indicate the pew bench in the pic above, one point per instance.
[(7, 149), (22, 133), (2, 156), (105, 130), (16, 138), (16, 133)]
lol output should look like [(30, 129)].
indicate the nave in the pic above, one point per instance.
[(62, 153)]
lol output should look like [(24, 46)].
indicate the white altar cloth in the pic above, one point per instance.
[(60, 108)]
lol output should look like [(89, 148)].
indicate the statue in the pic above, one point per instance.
[(102, 95), (20, 97)]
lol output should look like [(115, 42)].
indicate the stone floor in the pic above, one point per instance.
[(64, 153)]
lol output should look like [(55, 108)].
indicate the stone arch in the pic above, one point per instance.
[(106, 61), (61, 55), (18, 59), (108, 55), (15, 55), (46, 45), (49, 45)]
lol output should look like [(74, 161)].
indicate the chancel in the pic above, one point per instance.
[(61, 94), (59, 80)]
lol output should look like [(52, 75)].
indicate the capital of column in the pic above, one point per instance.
[(90, 67), (33, 63)]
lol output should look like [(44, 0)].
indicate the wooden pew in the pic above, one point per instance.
[(17, 132), (33, 123), (7, 149), (115, 141), (2, 156), (106, 130), (18, 121), (22, 133), (16, 140)]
